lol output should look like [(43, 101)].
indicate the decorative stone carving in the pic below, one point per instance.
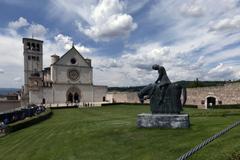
[(73, 74)]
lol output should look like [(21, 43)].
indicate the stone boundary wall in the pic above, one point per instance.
[(9, 105), (227, 94), (123, 97)]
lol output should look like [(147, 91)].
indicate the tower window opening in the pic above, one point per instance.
[(36, 83), (38, 47), (33, 58), (29, 57), (37, 58), (28, 45), (33, 46)]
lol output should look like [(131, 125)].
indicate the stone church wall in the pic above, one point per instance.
[(36, 97), (58, 94), (99, 93), (86, 93), (60, 74), (7, 105)]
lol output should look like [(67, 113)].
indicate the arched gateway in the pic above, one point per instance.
[(73, 95), (211, 101)]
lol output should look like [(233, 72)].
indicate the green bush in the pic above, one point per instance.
[(235, 156), (112, 104), (215, 113), (227, 106), (189, 106), (28, 121)]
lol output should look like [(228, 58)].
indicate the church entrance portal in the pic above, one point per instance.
[(76, 98), (73, 95), (70, 98), (211, 101)]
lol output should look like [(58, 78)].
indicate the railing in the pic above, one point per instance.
[(79, 105), (204, 143)]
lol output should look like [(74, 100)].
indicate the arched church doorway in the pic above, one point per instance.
[(76, 98), (211, 101), (43, 101), (73, 95), (70, 98)]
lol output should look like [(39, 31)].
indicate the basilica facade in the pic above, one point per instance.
[(69, 78)]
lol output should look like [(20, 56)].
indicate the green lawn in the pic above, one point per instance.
[(110, 133)]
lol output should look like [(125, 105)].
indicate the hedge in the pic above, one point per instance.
[(226, 106), (111, 104), (190, 106), (28, 121), (65, 107)]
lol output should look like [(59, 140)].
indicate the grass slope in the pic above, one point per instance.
[(110, 133)]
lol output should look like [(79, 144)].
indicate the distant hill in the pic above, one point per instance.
[(5, 91), (187, 84)]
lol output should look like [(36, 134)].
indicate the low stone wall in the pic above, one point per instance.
[(9, 105), (227, 94), (224, 95), (123, 97)]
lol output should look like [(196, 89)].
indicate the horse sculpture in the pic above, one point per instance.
[(165, 97)]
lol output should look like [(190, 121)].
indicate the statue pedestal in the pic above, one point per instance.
[(148, 120)]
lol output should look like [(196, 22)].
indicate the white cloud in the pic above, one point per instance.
[(104, 20), (21, 22), (36, 30), (67, 42), (1, 71), (232, 23), (134, 6), (18, 79), (118, 25), (11, 50), (135, 68), (194, 10), (222, 72)]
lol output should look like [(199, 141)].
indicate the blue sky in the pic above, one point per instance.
[(190, 38)]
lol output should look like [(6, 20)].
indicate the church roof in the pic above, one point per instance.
[(70, 51)]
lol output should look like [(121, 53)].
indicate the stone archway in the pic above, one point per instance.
[(73, 95), (210, 101), (76, 98), (70, 97)]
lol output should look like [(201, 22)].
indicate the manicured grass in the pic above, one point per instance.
[(110, 133)]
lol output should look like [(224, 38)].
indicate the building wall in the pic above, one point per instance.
[(227, 94), (36, 96), (9, 105), (58, 93), (60, 74), (123, 97), (99, 92)]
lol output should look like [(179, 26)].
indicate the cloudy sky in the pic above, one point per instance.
[(190, 38)]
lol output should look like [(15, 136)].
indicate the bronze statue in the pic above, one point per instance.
[(165, 97)]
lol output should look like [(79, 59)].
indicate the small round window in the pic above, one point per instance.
[(73, 60)]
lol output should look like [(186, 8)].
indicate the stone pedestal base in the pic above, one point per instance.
[(147, 120)]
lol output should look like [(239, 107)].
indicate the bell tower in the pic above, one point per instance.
[(33, 59)]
